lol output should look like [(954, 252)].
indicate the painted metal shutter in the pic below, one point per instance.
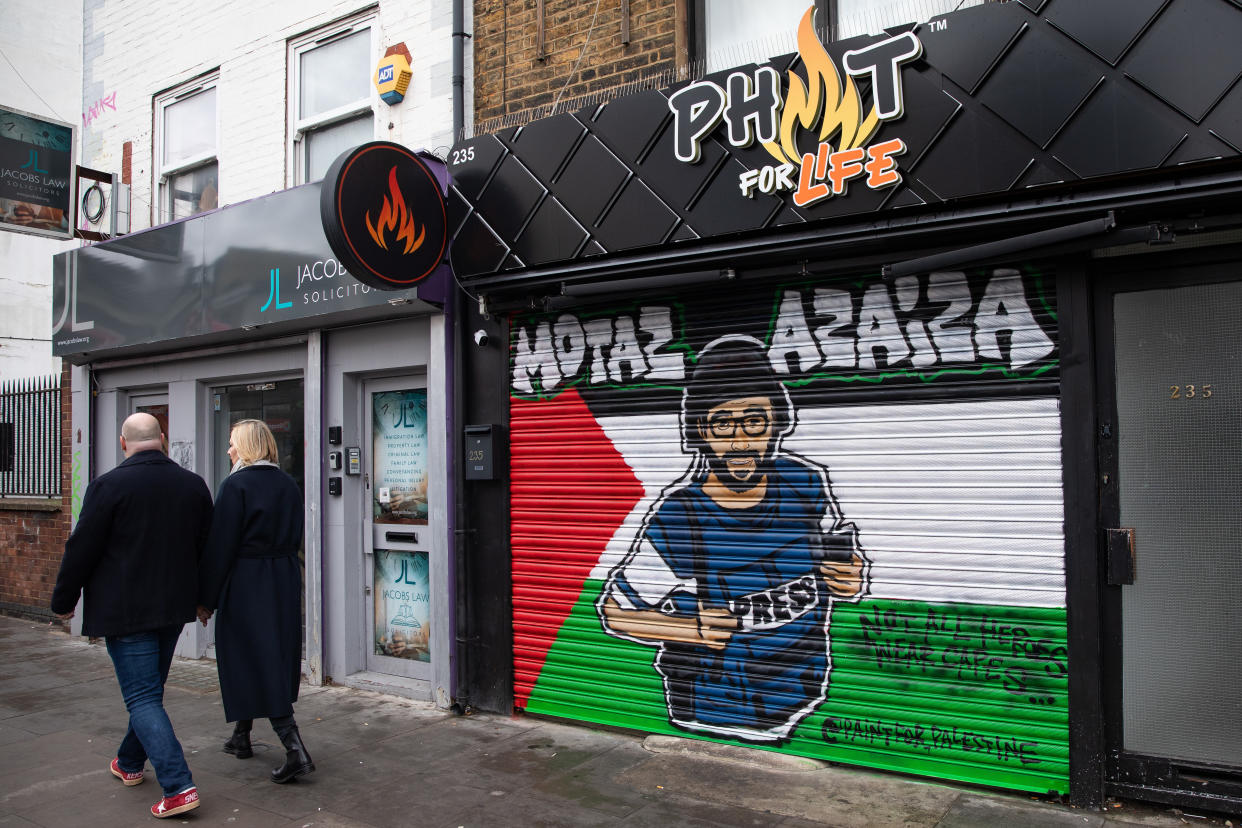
[(925, 429)]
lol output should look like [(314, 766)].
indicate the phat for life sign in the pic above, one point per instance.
[(754, 110), (36, 180)]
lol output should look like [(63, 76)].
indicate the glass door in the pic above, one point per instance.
[(157, 406), (398, 549), (1171, 438), (279, 404)]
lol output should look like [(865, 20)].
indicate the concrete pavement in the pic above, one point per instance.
[(387, 761)]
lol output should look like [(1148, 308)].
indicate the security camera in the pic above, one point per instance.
[(480, 338)]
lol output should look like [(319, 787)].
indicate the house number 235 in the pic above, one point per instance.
[(1190, 392)]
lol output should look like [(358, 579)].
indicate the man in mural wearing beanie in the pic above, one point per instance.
[(736, 567)]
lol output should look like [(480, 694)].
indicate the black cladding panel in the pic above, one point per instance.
[(551, 236), (1204, 40), (968, 45), (472, 163), (1040, 174), (456, 210), (511, 198), (477, 248), (636, 219), (675, 182), (1227, 123), (954, 167), (628, 124), (1117, 130), (1198, 148), (921, 124), (591, 180), (1106, 27), (1039, 85), (723, 208), (545, 144)]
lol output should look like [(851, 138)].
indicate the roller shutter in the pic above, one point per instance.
[(667, 568)]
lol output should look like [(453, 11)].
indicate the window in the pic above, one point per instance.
[(330, 96), (186, 136), (855, 17), (736, 32)]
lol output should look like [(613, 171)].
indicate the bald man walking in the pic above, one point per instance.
[(134, 552)]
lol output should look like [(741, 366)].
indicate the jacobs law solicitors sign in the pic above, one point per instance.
[(36, 174)]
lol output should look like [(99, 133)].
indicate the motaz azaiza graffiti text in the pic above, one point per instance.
[(752, 107), (920, 323)]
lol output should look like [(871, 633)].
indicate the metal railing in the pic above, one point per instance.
[(30, 437)]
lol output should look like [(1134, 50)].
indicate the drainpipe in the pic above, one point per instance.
[(454, 327), (459, 70)]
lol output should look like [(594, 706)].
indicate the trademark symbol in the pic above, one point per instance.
[(938, 25)]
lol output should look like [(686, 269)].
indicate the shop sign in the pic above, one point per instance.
[(241, 268), (36, 181), (753, 109), (383, 212)]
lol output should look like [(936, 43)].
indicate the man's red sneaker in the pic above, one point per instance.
[(187, 800), (130, 779)]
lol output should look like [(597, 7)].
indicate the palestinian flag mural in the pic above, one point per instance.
[(817, 517)]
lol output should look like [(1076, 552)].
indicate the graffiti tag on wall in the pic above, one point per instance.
[(99, 108)]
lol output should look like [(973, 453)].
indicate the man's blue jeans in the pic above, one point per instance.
[(141, 661)]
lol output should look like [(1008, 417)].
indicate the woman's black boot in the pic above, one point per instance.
[(297, 760), (239, 743)]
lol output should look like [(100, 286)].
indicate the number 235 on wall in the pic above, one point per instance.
[(1190, 392)]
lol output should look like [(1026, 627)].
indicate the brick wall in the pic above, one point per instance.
[(33, 533), (511, 77)]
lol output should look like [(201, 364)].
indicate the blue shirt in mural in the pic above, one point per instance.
[(761, 565)]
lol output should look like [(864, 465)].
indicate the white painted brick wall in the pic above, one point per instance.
[(138, 49)]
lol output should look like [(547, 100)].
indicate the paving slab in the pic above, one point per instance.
[(989, 812)]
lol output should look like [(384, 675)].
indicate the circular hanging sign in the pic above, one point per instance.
[(383, 213)]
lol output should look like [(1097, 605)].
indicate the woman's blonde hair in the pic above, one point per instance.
[(253, 441)]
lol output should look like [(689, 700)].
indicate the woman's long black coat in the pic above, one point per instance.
[(251, 577)]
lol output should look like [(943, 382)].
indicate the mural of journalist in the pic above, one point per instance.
[(736, 567)]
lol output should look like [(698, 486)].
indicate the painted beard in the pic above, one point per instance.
[(752, 465)]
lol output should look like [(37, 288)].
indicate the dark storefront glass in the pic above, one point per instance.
[(279, 404)]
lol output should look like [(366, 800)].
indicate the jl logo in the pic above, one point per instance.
[(274, 292), (33, 161)]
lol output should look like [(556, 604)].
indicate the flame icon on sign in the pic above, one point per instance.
[(822, 95), (394, 216)]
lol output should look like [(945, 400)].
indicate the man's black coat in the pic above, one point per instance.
[(136, 547)]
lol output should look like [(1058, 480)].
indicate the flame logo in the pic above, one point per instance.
[(822, 95), (394, 216)]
